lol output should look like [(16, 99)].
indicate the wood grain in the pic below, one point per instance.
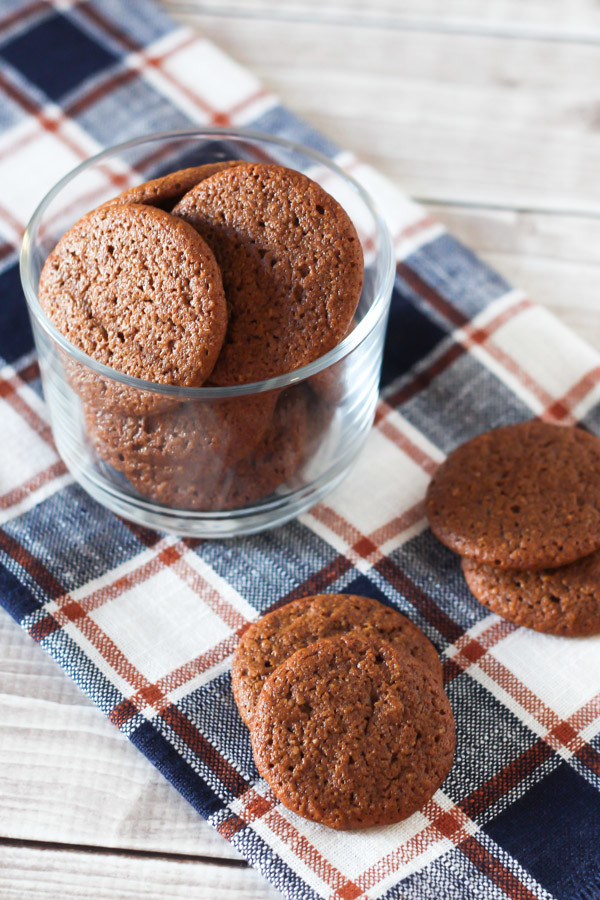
[(67, 775), (28, 873), (555, 20), (458, 119)]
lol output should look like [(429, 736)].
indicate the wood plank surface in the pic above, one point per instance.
[(578, 20), (499, 139), (67, 775), (489, 114), (30, 873)]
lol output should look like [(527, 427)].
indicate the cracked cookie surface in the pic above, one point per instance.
[(278, 634), (350, 733)]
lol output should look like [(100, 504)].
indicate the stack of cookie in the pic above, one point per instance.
[(344, 700), (220, 275), (521, 504)]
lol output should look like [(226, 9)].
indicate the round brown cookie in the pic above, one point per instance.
[(138, 290), (351, 732), (220, 431), (194, 485), (166, 191), (523, 496), (292, 267), (275, 636), (558, 601)]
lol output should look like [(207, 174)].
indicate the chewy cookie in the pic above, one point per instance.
[(524, 496), (562, 601), (218, 432), (276, 636), (351, 732), (138, 290), (165, 192), (191, 484), (291, 262)]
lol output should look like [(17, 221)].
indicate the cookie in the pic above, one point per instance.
[(291, 262), (277, 635), (557, 601), (191, 484), (351, 732), (218, 432), (165, 192), (524, 496), (138, 290)]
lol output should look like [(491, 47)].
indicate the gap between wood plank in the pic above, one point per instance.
[(115, 851), (458, 27), (507, 207)]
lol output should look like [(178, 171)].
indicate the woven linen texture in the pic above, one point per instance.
[(146, 624)]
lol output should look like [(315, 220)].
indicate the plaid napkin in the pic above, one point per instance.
[(146, 624)]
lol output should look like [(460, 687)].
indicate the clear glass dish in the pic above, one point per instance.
[(209, 461)]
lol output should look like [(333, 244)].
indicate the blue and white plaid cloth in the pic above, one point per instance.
[(146, 624)]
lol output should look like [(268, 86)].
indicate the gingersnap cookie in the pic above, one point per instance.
[(192, 484), (351, 732), (138, 290), (218, 432), (524, 496), (276, 636), (562, 601), (166, 191), (291, 262)]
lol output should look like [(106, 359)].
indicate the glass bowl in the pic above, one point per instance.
[(209, 461)]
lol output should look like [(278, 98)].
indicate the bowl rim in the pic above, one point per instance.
[(385, 273)]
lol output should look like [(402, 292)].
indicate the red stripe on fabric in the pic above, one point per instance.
[(114, 81), (518, 691), (590, 758), (12, 222), (33, 566), (426, 606), (221, 607), (6, 250), (408, 447), (432, 296), (26, 12), (110, 651), (200, 664), (155, 694), (308, 853), (42, 629), (29, 372), (230, 827), (247, 101), (109, 27), (506, 780), (122, 713), (495, 870), (122, 584), (414, 228), (561, 408), (20, 98), (153, 62), (397, 526), (336, 523), (423, 379), (196, 741), (146, 536), (473, 336), (33, 484), (258, 807), (316, 583)]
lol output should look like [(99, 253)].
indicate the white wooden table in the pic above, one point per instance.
[(489, 114)]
